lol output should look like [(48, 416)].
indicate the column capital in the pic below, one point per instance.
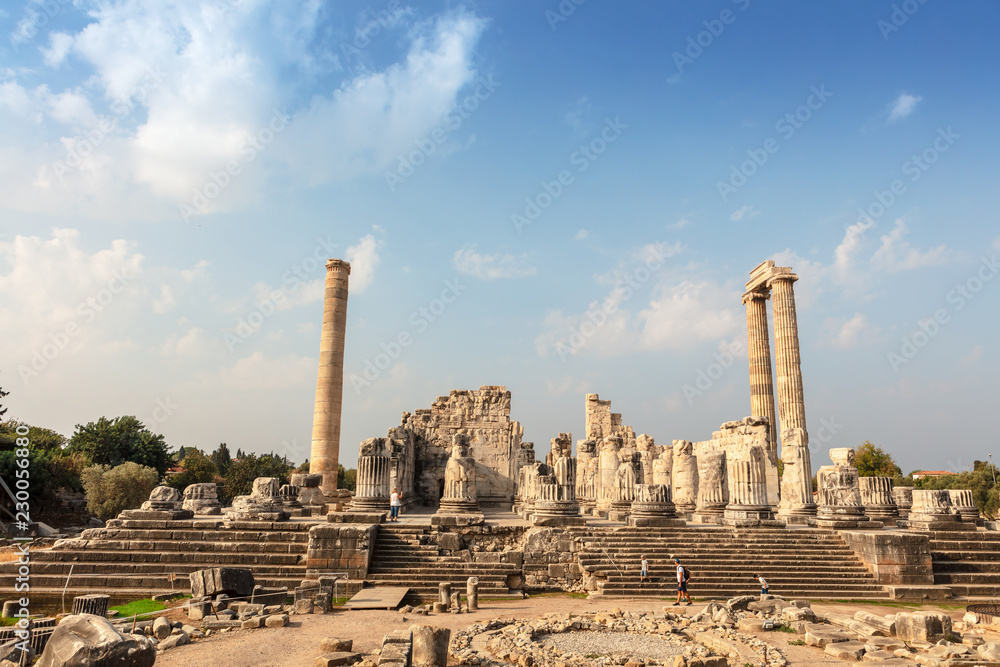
[(756, 294), (335, 264), (779, 275)]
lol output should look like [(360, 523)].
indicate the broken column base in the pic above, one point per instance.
[(356, 517), (796, 516), (457, 520), (655, 522), (950, 522), (620, 510), (884, 513), (710, 514), (557, 521)]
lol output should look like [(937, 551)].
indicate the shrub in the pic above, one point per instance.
[(197, 469), (111, 490)]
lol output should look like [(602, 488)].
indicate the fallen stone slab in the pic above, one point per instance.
[(253, 623), (922, 626), (878, 655), (276, 621), (884, 643), (87, 640), (823, 637), (887, 625), (173, 640), (220, 624), (725, 647), (337, 658), (845, 650)]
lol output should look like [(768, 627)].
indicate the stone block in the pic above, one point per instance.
[(268, 596), (824, 637), (305, 606), (922, 626), (845, 650), (336, 645), (172, 641), (449, 541), (338, 658), (253, 623), (557, 571), (199, 608), (276, 621), (234, 581)]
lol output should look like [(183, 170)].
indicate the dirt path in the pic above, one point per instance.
[(298, 644)]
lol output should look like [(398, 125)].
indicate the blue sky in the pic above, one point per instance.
[(170, 171)]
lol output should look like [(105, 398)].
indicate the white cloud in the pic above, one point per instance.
[(166, 301), (59, 45), (260, 373), (680, 224), (363, 258), (844, 334), (902, 106), (581, 235), (198, 272), (996, 243), (747, 211), (194, 343), (896, 254), (491, 267)]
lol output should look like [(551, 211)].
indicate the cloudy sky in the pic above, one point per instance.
[(557, 197)]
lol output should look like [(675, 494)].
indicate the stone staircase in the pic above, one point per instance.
[(967, 562), (405, 556), (797, 563), (136, 559)]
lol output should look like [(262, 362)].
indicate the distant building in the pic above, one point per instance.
[(920, 474)]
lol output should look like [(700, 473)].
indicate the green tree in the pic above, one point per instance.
[(222, 459), (981, 481), (196, 469), (111, 490), (872, 461), (111, 442), (346, 479), (38, 476), (239, 479), (41, 438)]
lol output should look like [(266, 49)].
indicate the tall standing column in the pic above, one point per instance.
[(791, 404), (759, 354), (325, 454)]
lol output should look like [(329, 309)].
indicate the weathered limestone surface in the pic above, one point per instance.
[(310, 488), (839, 494), (372, 487), (653, 506), (459, 485), (340, 548), (484, 416), (607, 483), (903, 495), (736, 439), (202, 499), (748, 504), (932, 510), (759, 356), (601, 422), (685, 477), (876, 496), (586, 492), (325, 453), (263, 504), (895, 558), (163, 499), (649, 451), (663, 467), (86, 639), (627, 477), (796, 484), (713, 487), (961, 500), (556, 503)]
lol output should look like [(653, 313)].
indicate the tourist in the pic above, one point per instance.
[(394, 505), (763, 584), (644, 569), (683, 575)]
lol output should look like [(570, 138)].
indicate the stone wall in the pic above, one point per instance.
[(335, 548), (601, 422), (550, 560), (736, 438), (495, 441), (898, 559)]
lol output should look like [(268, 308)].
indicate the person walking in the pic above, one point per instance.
[(394, 503), (683, 576), (644, 570), (763, 584)]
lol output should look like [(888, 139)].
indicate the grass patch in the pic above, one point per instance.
[(786, 628), (138, 607), (895, 603), (796, 642), (7, 622)]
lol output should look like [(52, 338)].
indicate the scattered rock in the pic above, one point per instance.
[(86, 640)]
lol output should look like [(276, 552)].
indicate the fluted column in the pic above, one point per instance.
[(713, 492), (791, 403), (759, 354), (372, 483), (325, 454), (876, 496)]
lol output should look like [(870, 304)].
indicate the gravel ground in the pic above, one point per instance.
[(615, 643)]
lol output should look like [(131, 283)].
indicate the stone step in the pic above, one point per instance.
[(112, 558), (108, 581), (710, 564), (173, 545), (991, 592), (968, 578), (992, 554), (984, 568), (196, 535), (723, 593), (478, 569)]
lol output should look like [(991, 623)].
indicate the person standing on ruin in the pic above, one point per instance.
[(394, 503), (683, 575), (763, 584), (644, 570)]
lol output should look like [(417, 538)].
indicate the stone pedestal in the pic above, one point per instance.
[(903, 495), (796, 505), (472, 593), (876, 497), (839, 493), (202, 499), (163, 499), (310, 489), (932, 510), (626, 479), (961, 500), (96, 604), (713, 491), (748, 495), (263, 503), (653, 507)]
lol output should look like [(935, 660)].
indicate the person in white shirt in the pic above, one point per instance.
[(644, 569), (394, 502), (682, 583), (763, 584)]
